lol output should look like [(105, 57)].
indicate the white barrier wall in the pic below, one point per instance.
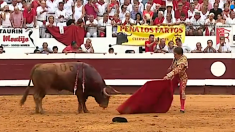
[(138, 82), (102, 44)]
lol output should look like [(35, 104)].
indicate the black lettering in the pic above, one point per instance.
[(71, 68), (63, 67)]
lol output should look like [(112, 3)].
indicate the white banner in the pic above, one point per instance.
[(16, 37), (225, 31)]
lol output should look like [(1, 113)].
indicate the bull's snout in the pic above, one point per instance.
[(103, 106)]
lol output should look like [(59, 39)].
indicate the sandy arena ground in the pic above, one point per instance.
[(204, 114)]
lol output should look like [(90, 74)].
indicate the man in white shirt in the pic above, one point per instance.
[(13, 5), (102, 8), (231, 19), (91, 27), (185, 47), (52, 7), (153, 5), (60, 15), (222, 47), (87, 47), (68, 6), (41, 17), (128, 5), (161, 47)]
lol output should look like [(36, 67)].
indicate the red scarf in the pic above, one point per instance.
[(207, 32), (226, 13), (112, 4), (117, 20), (197, 18), (52, 1), (1, 2)]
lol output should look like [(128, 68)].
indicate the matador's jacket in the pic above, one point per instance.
[(178, 69)]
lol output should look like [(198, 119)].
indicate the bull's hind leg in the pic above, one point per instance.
[(38, 96)]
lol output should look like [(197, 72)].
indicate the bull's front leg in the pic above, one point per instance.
[(80, 102), (84, 104)]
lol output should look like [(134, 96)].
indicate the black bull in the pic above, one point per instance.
[(122, 38), (62, 76)]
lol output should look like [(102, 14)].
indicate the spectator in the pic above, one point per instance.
[(139, 4), (197, 23), (222, 47), (147, 14), (35, 4), (68, 6), (36, 51), (123, 12), (102, 23), (159, 20), (152, 5), (51, 22), (73, 48), (161, 47), (183, 46), (128, 5), (52, 6), (2, 50), (135, 11), (204, 12), (61, 15), (17, 18), (3, 4), (6, 17), (186, 5), (41, 17), (45, 49), (209, 48), (210, 25), (191, 10), (87, 47), (196, 5), (91, 9), (216, 10), (169, 10), (13, 5), (91, 27), (55, 49), (151, 44), (180, 10), (115, 21), (226, 11), (155, 12), (169, 20), (206, 4), (127, 20), (113, 8), (231, 19), (183, 20), (79, 11), (171, 47), (29, 15), (220, 20), (138, 19), (198, 48), (111, 50), (102, 6)]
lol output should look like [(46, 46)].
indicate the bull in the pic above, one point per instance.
[(77, 77)]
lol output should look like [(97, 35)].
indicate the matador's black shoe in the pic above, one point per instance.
[(182, 111)]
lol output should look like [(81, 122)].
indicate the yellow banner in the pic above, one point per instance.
[(137, 35)]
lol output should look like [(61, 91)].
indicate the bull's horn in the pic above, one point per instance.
[(115, 91), (104, 90)]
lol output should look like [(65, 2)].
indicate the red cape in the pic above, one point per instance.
[(71, 33), (153, 97)]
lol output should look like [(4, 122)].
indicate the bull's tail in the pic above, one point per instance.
[(23, 99)]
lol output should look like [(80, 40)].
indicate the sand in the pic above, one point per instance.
[(204, 113)]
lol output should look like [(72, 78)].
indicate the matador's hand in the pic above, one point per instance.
[(166, 78)]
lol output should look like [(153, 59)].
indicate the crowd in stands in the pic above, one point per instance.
[(200, 16), (157, 45)]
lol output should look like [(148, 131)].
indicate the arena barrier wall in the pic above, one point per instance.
[(127, 82)]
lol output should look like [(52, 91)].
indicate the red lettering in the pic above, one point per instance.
[(21, 39)]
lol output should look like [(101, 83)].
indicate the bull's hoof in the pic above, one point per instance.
[(86, 111), (80, 111), (182, 111)]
